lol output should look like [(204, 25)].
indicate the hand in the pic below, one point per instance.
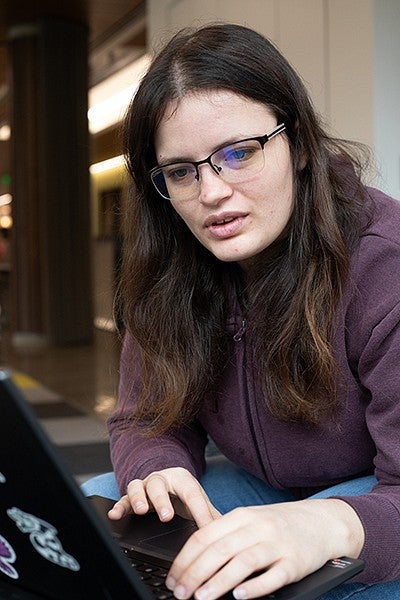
[(168, 491), (280, 544)]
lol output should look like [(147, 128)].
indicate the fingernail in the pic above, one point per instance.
[(239, 593), (139, 505), (202, 594), (164, 514), (180, 592), (170, 583)]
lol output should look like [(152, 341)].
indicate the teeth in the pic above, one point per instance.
[(228, 220)]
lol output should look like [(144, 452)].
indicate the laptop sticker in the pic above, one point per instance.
[(43, 537), (7, 556)]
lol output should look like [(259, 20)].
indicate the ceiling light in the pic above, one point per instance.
[(5, 133), (107, 165), (5, 199), (109, 99)]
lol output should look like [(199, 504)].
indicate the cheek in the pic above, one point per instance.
[(280, 188), (179, 210), (274, 200), (186, 214), (273, 194)]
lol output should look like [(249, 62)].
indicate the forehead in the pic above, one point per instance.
[(204, 120)]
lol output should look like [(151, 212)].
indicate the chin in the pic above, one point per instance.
[(233, 252), (238, 257)]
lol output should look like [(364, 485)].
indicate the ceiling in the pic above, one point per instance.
[(117, 32)]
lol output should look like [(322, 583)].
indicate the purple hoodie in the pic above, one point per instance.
[(363, 438)]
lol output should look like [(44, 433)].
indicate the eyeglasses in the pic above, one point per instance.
[(234, 163)]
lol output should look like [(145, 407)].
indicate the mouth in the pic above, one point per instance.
[(226, 225), (222, 219)]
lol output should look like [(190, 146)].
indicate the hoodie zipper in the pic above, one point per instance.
[(240, 332), (247, 386)]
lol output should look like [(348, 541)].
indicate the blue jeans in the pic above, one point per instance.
[(229, 487)]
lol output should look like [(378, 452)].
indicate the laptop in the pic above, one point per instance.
[(57, 544)]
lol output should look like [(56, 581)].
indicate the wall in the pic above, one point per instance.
[(387, 93), (103, 247)]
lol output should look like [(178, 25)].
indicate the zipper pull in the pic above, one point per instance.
[(240, 332)]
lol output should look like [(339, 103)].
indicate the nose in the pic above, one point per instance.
[(213, 189)]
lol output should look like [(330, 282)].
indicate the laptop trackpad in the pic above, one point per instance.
[(147, 532), (168, 543), (156, 538)]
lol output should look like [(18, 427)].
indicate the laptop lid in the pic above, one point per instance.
[(51, 541)]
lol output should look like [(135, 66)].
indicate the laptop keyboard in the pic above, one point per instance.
[(152, 575)]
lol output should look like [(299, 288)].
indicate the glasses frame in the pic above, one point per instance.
[(262, 140)]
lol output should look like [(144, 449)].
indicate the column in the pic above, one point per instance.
[(51, 289)]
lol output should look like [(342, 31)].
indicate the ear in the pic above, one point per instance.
[(303, 161)]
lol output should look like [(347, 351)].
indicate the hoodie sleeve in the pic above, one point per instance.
[(135, 455), (379, 510), (375, 346)]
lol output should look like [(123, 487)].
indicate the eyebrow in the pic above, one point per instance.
[(173, 160), (180, 159)]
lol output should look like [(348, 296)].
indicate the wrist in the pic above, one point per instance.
[(345, 531)]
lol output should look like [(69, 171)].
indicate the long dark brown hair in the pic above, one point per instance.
[(173, 291)]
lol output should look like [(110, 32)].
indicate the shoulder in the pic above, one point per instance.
[(384, 216), (371, 303), (374, 290), (379, 245)]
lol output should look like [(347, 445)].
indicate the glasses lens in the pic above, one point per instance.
[(176, 182), (237, 161), (234, 163)]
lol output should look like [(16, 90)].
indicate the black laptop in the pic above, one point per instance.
[(55, 543)]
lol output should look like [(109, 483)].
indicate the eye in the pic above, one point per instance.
[(235, 156), (179, 173), (239, 154)]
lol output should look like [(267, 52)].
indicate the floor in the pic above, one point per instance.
[(84, 376)]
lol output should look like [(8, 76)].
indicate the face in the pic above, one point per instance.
[(233, 221)]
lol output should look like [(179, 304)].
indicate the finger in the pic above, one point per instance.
[(207, 551), (215, 530), (198, 504), (120, 509), (201, 577), (158, 493), (230, 576), (279, 575), (137, 497)]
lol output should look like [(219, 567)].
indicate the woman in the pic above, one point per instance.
[(261, 303)]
